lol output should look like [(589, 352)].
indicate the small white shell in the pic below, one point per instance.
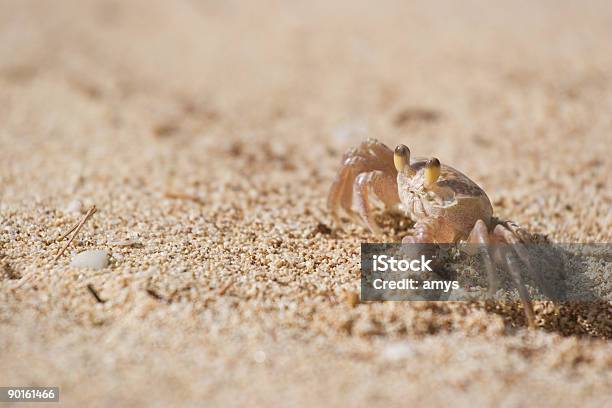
[(94, 259), (398, 351)]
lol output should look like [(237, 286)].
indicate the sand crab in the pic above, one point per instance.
[(446, 206)]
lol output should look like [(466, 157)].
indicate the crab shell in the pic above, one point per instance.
[(455, 201)]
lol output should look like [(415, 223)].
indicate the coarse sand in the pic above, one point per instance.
[(207, 134)]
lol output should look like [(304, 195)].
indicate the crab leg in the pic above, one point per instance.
[(515, 273), (340, 193), (506, 235), (480, 236)]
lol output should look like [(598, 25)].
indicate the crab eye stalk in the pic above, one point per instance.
[(432, 171), (401, 157)]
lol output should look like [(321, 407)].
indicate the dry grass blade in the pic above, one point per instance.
[(76, 230), (183, 196), (94, 293), (68, 232)]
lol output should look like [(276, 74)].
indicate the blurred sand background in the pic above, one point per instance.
[(209, 132)]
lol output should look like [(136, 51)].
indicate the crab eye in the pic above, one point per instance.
[(432, 171), (401, 157)]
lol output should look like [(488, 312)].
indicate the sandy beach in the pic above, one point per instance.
[(207, 135)]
